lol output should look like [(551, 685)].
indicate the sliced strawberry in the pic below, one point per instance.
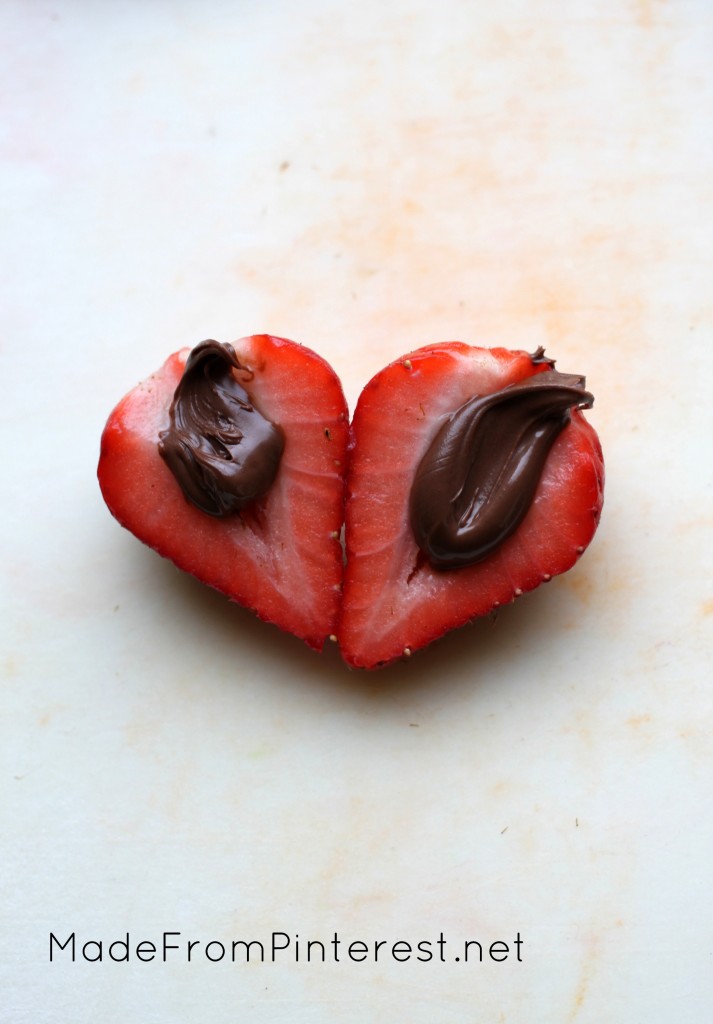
[(280, 555), (394, 600)]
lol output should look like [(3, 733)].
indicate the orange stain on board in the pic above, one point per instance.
[(136, 84), (579, 998), (580, 585), (9, 666), (587, 971), (645, 12)]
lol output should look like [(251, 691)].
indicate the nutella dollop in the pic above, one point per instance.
[(477, 480), (220, 448)]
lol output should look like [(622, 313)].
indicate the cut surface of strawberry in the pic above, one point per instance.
[(278, 554), (395, 600)]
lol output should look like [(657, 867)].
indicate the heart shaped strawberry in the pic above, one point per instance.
[(229, 461), (473, 478)]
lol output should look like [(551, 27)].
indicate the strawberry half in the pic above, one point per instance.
[(275, 546), (398, 594)]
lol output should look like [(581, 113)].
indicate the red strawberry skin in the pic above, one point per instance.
[(281, 556), (394, 601)]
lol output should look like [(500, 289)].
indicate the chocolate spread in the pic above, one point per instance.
[(220, 448), (477, 480)]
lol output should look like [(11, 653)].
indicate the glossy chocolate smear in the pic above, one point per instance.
[(477, 480), (221, 450)]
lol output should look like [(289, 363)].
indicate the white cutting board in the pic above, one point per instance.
[(364, 179)]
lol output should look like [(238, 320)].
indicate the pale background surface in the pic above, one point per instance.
[(363, 178)]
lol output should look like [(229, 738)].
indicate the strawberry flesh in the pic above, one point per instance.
[(280, 555), (394, 600)]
